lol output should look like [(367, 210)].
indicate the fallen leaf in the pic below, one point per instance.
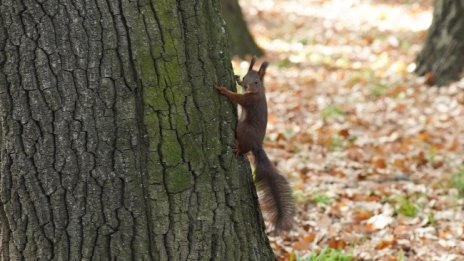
[(345, 133), (361, 215), (304, 242), (379, 221), (336, 243), (384, 244), (379, 163)]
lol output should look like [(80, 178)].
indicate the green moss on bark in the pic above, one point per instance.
[(178, 179)]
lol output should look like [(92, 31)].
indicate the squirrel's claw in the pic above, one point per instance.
[(221, 89), (237, 79), (236, 148)]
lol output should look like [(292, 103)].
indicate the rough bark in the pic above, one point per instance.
[(241, 40), (113, 143), (443, 52)]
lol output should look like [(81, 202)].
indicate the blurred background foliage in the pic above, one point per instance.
[(372, 146)]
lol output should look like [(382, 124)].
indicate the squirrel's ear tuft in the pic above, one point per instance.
[(252, 62), (262, 70)]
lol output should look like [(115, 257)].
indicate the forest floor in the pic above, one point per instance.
[(375, 155)]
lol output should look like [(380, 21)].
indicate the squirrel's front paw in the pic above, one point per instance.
[(221, 89)]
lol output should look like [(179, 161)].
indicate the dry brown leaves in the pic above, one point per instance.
[(368, 147)]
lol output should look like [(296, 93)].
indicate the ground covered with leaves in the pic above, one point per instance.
[(375, 155)]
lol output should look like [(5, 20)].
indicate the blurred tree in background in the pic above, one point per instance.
[(443, 52), (241, 41)]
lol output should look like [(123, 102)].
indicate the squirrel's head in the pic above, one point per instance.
[(254, 79)]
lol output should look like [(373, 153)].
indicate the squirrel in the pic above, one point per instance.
[(276, 194)]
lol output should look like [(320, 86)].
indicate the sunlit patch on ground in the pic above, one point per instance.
[(374, 155)]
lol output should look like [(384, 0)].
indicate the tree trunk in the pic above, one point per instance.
[(241, 40), (443, 52), (113, 142)]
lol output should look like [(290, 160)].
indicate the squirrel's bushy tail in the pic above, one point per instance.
[(276, 194)]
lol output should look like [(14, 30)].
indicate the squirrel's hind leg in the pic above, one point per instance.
[(237, 150)]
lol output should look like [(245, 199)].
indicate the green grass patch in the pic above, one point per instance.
[(457, 181), (284, 63), (431, 155), (400, 255), (377, 90), (336, 142), (300, 197), (328, 254), (406, 207), (332, 111), (321, 199)]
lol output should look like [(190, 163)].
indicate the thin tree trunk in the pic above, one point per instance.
[(443, 52), (242, 42), (113, 142)]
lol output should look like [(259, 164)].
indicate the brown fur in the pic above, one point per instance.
[(276, 194)]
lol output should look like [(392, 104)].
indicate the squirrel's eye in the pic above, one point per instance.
[(256, 83)]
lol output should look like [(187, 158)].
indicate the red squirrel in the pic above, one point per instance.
[(251, 128)]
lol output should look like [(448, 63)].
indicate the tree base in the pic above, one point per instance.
[(443, 51)]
